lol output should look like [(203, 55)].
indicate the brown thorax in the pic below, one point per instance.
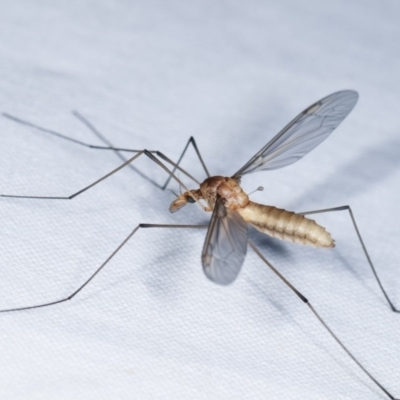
[(227, 188)]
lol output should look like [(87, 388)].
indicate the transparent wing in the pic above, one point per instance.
[(225, 246), (305, 132)]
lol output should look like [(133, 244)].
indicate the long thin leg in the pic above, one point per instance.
[(344, 208), (161, 155), (147, 153), (119, 154), (191, 141), (304, 300), (109, 146), (65, 137), (91, 277)]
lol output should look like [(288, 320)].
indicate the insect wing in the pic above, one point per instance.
[(225, 245), (301, 135)]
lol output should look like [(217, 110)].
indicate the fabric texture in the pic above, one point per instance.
[(149, 75)]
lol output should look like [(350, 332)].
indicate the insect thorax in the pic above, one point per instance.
[(227, 188)]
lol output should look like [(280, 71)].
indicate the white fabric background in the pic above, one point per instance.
[(149, 74)]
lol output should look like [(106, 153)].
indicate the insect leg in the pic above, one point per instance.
[(60, 135), (91, 277), (109, 145), (146, 152), (193, 142), (344, 208), (119, 154), (304, 300)]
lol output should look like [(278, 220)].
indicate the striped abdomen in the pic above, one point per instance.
[(286, 225)]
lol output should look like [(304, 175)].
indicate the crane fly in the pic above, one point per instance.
[(227, 239)]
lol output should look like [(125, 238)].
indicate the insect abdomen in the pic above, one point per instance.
[(286, 225)]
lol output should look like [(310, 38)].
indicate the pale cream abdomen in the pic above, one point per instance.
[(286, 225)]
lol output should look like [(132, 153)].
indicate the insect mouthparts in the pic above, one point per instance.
[(181, 201)]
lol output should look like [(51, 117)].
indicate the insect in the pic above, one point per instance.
[(232, 211)]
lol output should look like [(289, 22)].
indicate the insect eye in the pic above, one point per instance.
[(190, 199)]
